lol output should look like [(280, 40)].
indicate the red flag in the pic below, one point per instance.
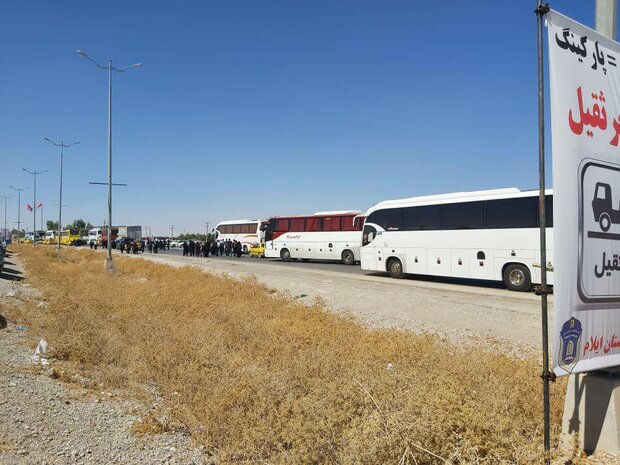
[(28, 207), (40, 205)]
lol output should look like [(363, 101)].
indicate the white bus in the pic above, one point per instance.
[(490, 235), (248, 232), (324, 235)]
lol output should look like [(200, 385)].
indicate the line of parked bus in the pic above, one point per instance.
[(488, 235)]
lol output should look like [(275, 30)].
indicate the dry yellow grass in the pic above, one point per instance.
[(265, 379)]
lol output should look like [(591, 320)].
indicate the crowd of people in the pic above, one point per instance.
[(230, 248), (191, 248)]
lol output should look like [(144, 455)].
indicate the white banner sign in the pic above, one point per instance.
[(584, 69)]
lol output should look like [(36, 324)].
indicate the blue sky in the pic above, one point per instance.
[(257, 108)]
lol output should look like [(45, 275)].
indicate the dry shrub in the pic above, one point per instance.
[(264, 378)]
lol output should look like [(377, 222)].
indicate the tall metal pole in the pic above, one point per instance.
[(6, 231), (62, 146), (19, 209), (547, 376), (606, 13), (108, 263), (171, 231), (34, 213), (34, 207)]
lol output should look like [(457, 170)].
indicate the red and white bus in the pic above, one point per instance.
[(333, 235)]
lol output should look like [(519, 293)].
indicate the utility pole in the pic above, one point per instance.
[(34, 173), (19, 209), (62, 147), (606, 14), (4, 199), (108, 262), (171, 231)]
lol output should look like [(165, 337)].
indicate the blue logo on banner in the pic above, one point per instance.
[(569, 344)]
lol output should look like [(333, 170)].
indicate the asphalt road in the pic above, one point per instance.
[(313, 265), (328, 265)]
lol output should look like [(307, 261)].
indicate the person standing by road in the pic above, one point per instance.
[(185, 249)]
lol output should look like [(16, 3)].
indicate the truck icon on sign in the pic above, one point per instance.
[(604, 213)]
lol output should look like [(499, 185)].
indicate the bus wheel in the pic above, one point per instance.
[(395, 268), (348, 258), (517, 278), (285, 255), (604, 222)]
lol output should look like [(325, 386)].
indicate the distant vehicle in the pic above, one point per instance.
[(248, 232), (604, 212), (104, 234), (134, 232), (123, 241), (38, 236), (333, 235), (257, 250), (51, 237), (95, 235), (71, 237), (491, 235)]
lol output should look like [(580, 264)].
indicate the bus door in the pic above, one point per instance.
[(370, 252), (267, 228)]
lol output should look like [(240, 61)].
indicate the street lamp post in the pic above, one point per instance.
[(62, 147), (108, 263), (19, 209), (34, 173), (4, 199)]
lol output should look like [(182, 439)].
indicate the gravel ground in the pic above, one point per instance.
[(45, 421)]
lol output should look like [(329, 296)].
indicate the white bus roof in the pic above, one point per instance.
[(456, 197), (236, 222)]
